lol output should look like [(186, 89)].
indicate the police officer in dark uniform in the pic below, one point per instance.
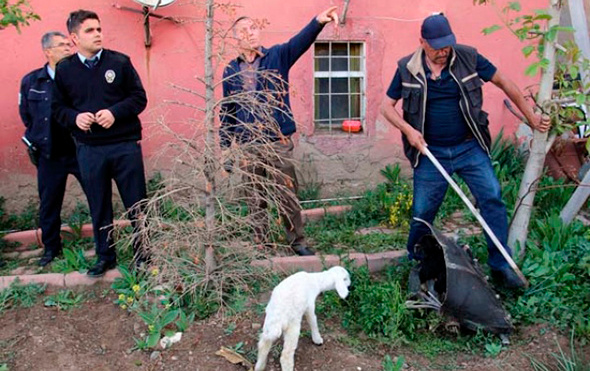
[(55, 155), (99, 95)]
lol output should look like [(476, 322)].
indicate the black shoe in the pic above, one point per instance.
[(506, 277), (101, 267), (47, 258), (303, 250)]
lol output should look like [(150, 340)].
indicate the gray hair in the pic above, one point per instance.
[(48, 38)]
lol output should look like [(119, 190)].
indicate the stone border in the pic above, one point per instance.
[(33, 236), (281, 264)]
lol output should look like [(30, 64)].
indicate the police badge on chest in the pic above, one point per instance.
[(110, 76)]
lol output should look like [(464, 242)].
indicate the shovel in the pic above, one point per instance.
[(477, 216)]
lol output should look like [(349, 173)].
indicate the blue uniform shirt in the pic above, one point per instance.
[(444, 123)]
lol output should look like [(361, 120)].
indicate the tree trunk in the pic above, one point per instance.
[(577, 200), (210, 142), (534, 166)]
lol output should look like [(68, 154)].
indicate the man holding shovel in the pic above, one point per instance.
[(440, 84)]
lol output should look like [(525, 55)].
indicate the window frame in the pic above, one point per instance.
[(328, 125)]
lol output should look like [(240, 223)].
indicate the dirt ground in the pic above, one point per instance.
[(99, 336)]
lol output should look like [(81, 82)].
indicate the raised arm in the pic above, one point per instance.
[(298, 44)]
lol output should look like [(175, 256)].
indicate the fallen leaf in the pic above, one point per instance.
[(234, 357)]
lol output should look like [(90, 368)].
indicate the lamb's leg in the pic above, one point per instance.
[(291, 336), (313, 324), (264, 345)]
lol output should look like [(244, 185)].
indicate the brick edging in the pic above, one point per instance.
[(33, 236), (59, 279), (281, 264)]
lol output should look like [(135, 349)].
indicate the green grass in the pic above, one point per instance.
[(18, 295)]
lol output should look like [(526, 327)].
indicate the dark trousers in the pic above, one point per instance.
[(473, 165), (99, 165), (52, 176), (285, 177)]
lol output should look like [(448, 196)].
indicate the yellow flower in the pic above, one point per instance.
[(151, 328), (121, 297), (155, 272), (123, 306), (135, 288)]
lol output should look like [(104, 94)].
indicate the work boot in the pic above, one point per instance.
[(507, 278), (302, 250), (47, 257), (100, 268)]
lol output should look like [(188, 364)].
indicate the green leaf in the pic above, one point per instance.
[(564, 28), (551, 34), (169, 318), (489, 30), (541, 17), (574, 71), (515, 5), (581, 99), (153, 340), (532, 70), (527, 50)]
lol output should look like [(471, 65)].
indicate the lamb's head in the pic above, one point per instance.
[(341, 280)]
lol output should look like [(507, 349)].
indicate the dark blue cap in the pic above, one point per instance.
[(436, 31)]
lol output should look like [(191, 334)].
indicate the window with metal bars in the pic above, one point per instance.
[(339, 84)]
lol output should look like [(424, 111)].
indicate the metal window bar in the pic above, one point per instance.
[(330, 74)]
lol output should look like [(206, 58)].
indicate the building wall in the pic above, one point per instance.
[(338, 161)]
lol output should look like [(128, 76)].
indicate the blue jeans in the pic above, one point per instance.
[(473, 165)]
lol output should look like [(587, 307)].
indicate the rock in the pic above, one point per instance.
[(155, 355), (31, 254), (256, 326), (136, 328), (11, 255), (18, 271), (372, 230)]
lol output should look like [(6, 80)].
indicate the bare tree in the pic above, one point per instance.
[(197, 227)]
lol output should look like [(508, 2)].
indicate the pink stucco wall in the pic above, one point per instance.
[(389, 28)]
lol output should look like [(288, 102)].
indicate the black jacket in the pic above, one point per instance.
[(112, 84), (34, 107)]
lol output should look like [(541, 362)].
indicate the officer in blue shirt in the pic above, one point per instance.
[(56, 152), (440, 85)]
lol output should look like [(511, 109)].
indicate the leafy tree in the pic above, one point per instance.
[(17, 14)]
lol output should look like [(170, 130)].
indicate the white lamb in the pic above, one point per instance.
[(290, 300)]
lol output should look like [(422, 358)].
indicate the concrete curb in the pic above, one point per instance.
[(288, 264), (282, 264), (33, 236), (58, 279)]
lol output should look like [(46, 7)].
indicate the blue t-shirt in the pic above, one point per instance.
[(444, 124)]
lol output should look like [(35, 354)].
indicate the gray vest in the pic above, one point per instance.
[(462, 69)]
